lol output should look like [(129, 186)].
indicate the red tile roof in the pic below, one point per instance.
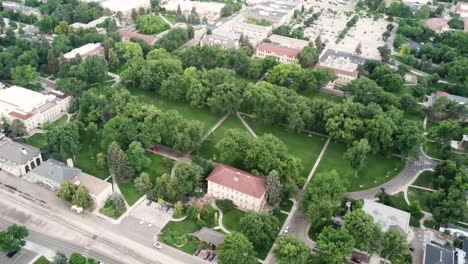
[(94, 51), (460, 9), (466, 24), (238, 180), (338, 71), (436, 23), (278, 50), (125, 33), (20, 116), (441, 94)]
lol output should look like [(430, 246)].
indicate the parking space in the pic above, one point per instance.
[(327, 26), (207, 255), (151, 215), (22, 257)]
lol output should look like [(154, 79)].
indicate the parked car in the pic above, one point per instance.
[(198, 251), (208, 253), (213, 255), (157, 245), (148, 202)]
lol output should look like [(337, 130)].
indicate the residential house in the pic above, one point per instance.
[(17, 158), (282, 54), (19, 7), (85, 51), (245, 190), (438, 24)]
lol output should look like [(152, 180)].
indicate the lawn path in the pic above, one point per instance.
[(246, 125), (220, 218), (423, 188), (317, 162), (218, 124)]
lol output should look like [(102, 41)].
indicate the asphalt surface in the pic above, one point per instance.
[(23, 257)]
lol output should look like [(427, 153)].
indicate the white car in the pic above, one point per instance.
[(157, 245)]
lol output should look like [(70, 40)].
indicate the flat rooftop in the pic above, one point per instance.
[(387, 216), (83, 50), (22, 100)]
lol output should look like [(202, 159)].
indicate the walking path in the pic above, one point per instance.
[(218, 124), (317, 162), (116, 78), (167, 21), (423, 188), (220, 218), (246, 125)]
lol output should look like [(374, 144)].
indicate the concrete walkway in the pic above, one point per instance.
[(116, 78), (218, 124), (167, 21), (246, 125), (422, 188), (317, 162), (220, 218)]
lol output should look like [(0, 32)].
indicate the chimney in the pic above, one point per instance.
[(70, 163)]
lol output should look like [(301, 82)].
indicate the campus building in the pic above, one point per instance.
[(211, 10), (225, 40), (85, 51), (245, 190), (430, 100), (462, 9), (125, 6), (388, 217), (288, 42), (282, 54), (252, 31), (344, 64), (127, 34), (17, 158), (278, 13), (92, 24), (52, 173), (32, 108), (21, 8)]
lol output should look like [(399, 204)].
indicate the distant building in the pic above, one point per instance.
[(85, 51), (211, 10), (276, 12), (438, 24), (244, 189), (225, 40), (19, 7), (125, 6), (344, 64), (282, 54), (460, 145), (465, 24), (288, 42), (431, 99), (462, 9), (32, 108), (252, 31), (127, 34), (388, 217), (17, 158), (434, 254), (92, 24), (52, 173)]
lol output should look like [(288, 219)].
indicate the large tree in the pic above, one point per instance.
[(82, 198), (357, 153), (446, 131), (274, 188), (136, 156), (12, 239), (362, 228), (143, 183), (236, 249), (322, 199), (393, 246), (290, 250), (233, 147), (92, 70), (308, 57), (24, 75), (118, 162), (187, 176), (259, 228), (335, 244), (64, 140)]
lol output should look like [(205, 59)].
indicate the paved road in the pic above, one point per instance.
[(406, 177), (47, 84), (62, 246)]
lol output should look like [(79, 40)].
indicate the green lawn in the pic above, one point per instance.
[(303, 146), (37, 140), (41, 260), (433, 149), (422, 196), (186, 226), (86, 158), (205, 116), (425, 179), (324, 96), (231, 215), (62, 120), (208, 149), (377, 169), (171, 18), (119, 67), (159, 166), (109, 210), (175, 231), (286, 205)]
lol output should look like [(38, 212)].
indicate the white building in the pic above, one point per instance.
[(243, 189), (52, 173), (344, 64), (16, 158), (277, 12), (225, 40), (252, 31), (32, 108), (124, 6), (462, 9), (85, 51), (288, 42), (92, 24), (211, 10), (282, 54), (388, 217)]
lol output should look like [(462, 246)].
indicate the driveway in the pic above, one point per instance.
[(149, 218)]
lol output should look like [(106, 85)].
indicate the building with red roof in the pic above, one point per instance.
[(466, 24), (344, 64), (438, 24), (127, 34), (283, 54), (245, 190), (462, 9)]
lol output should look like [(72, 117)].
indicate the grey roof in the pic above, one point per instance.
[(16, 152), (387, 217), (210, 236), (331, 53), (451, 226), (465, 248), (273, 16), (438, 255), (55, 171), (458, 99)]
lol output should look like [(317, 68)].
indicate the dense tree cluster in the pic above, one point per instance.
[(151, 24), (174, 39), (64, 140), (76, 195), (12, 239), (236, 247)]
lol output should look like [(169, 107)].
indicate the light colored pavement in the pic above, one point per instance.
[(40, 211), (239, 115), (218, 124), (23, 257), (220, 218), (423, 188), (167, 21), (317, 162)]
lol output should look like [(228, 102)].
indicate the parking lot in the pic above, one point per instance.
[(23, 257), (151, 216)]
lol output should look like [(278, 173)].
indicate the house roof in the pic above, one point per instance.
[(210, 236), (55, 171), (127, 33), (462, 7), (94, 185), (238, 180), (438, 255), (437, 23), (387, 217), (15, 152), (338, 71), (279, 50), (466, 24)]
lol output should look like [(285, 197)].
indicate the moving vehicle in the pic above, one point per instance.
[(157, 245)]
